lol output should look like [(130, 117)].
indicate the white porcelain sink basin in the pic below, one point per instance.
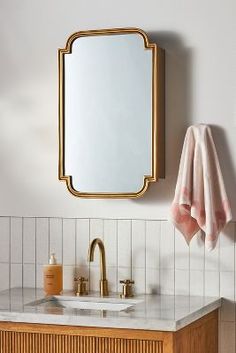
[(86, 303)]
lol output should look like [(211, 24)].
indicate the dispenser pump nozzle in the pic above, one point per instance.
[(52, 260)]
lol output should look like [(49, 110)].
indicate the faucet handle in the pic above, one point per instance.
[(127, 288), (81, 279), (81, 288), (127, 281)]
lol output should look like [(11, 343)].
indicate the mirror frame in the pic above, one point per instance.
[(158, 160)]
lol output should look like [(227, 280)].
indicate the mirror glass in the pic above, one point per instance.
[(107, 113)]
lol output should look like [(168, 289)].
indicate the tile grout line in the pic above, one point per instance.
[(160, 274), (22, 249), (145, 255), (189, 279), (103, 237), (204, 269), (75, 246), (35, 253), (234, 281), (48, 241), (219, 267), (76, 259), (174, 272), (131, 249), (174, 261), (10, 265), (159, 257), (117, 272), (89, 268), (62, 240), (87, 218), (49, 236)]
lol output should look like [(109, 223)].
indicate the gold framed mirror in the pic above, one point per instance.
[(111, 113)]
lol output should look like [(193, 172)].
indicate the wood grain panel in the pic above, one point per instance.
[(26, 342), (199, 337)]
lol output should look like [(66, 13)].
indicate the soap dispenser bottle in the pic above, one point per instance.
[(52, 277)]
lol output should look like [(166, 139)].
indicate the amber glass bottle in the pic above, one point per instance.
[(52, 277)]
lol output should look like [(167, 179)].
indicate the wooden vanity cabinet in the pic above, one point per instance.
[(198, 337)]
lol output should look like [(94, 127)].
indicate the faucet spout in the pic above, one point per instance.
[(103, 279)]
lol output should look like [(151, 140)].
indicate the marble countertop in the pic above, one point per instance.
[(153, 312)]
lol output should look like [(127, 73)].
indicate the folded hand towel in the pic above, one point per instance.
[(200, 200)]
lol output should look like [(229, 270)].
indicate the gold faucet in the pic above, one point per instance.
[(103, 281)]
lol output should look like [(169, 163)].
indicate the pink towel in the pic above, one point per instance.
[(200, 200)]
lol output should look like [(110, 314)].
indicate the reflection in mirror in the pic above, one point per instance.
[(108, 113)]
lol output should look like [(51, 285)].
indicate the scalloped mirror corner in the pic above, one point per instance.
[(111, 113)]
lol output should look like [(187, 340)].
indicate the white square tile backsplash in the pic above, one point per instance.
[(16, 239), (29, 235), (42, 240), (81, 242), (124, 243), (226, 249), (152, 252), (55, 237), (4, 276), (197, 253), (196, 282), (138, 244), (110, 242), (5, 240), (153, 232), (68, 241), (167, 246)]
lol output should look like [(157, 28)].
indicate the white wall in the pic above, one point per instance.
[(199, 39)]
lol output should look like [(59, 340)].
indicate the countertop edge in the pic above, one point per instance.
[(153, 313), (181, 323), (121, 323)]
